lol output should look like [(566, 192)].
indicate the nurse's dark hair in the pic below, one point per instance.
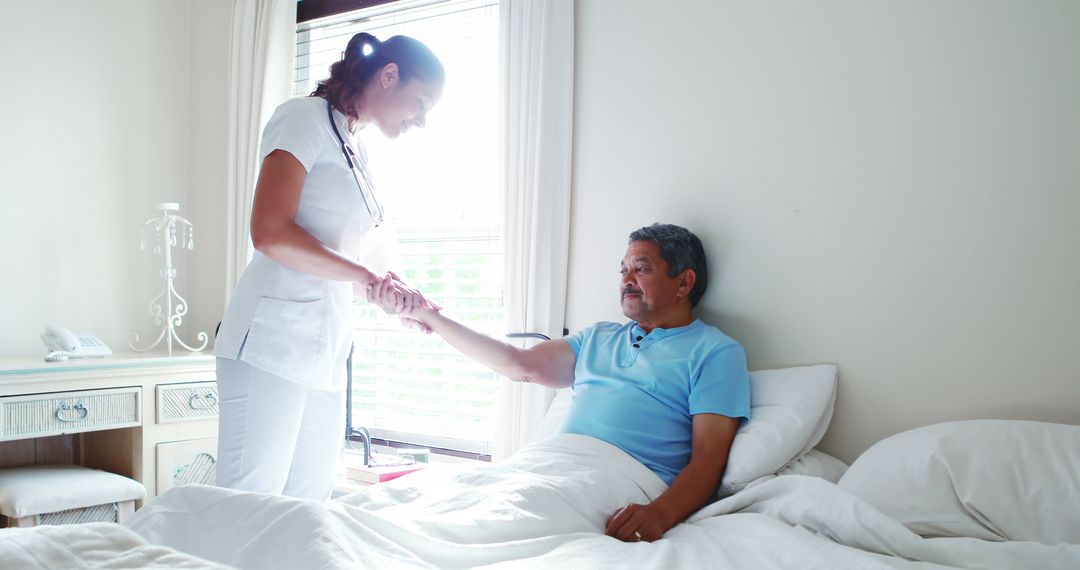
[(681, 250), (366, 56)]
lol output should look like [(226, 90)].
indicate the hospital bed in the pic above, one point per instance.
[(975, 494)]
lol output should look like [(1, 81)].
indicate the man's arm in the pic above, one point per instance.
[(710, 445), (549, 363)]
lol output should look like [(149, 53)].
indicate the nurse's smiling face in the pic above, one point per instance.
[(395, 106)]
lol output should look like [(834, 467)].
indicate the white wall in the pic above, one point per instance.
[(207, 169), (890, 186), (108, 108)]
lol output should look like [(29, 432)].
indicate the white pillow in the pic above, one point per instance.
[(555, 415), (987, 479), (815, 463), (790, 409)]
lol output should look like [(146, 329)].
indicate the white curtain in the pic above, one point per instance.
[(261, 63), (537, 67)]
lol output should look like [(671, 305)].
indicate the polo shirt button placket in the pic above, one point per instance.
[(633, 354)]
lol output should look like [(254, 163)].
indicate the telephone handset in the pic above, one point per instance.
[(64, 345)]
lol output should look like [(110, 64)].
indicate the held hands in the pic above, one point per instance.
[(637, 523), (397, 298)]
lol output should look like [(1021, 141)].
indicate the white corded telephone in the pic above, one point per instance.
[(64, 345)]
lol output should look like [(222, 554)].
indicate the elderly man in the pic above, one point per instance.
[(665, 388)]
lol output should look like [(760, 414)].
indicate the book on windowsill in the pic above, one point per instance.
[(379, 473)]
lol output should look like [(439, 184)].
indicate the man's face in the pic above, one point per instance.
[(648, 294)]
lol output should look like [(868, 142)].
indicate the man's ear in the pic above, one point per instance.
[(686, 282), (389, 75)]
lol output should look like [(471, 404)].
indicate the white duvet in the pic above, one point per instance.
[(545, 508), (94, 545)]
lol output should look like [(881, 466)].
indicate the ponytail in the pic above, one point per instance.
[(359, 42)]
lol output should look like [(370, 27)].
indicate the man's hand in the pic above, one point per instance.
[(411, 323), (636, 523), (711, 441)]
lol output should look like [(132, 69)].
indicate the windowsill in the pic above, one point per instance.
[(450, 454), (344, 486)]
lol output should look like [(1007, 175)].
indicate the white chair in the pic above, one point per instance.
[(65, 494)]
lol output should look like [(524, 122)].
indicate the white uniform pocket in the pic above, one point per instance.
[(287, 338)]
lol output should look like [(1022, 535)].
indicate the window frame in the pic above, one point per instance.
[(308, 10), (325, 12)]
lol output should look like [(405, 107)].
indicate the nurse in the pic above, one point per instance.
[(286, 335)]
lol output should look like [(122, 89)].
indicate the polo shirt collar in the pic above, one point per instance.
[(658, 332)]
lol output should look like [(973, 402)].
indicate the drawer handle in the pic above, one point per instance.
[(205, 401), (79, 407)]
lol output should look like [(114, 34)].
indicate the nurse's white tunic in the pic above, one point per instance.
[(290, 323)]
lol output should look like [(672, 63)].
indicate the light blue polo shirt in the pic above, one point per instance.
[(639, 391)]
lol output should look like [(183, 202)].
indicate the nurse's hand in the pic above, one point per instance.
[(390, 293), (418, 317), (423, 304)]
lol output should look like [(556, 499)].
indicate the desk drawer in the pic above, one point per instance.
[(186, 462), (187, 402), (41, 415)]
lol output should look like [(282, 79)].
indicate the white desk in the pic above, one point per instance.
[(148, 417)]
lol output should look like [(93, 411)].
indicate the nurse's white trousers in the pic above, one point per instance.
[(276, 436)]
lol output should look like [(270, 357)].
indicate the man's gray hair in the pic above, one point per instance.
[(681, 250)]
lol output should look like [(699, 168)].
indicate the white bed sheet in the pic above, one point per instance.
[(545, 507)]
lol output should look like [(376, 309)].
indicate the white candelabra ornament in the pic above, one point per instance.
[(162, 233)]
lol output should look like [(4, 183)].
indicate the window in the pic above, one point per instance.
[(440, 188)]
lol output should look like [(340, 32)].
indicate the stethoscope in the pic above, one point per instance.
[(357, 170)]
